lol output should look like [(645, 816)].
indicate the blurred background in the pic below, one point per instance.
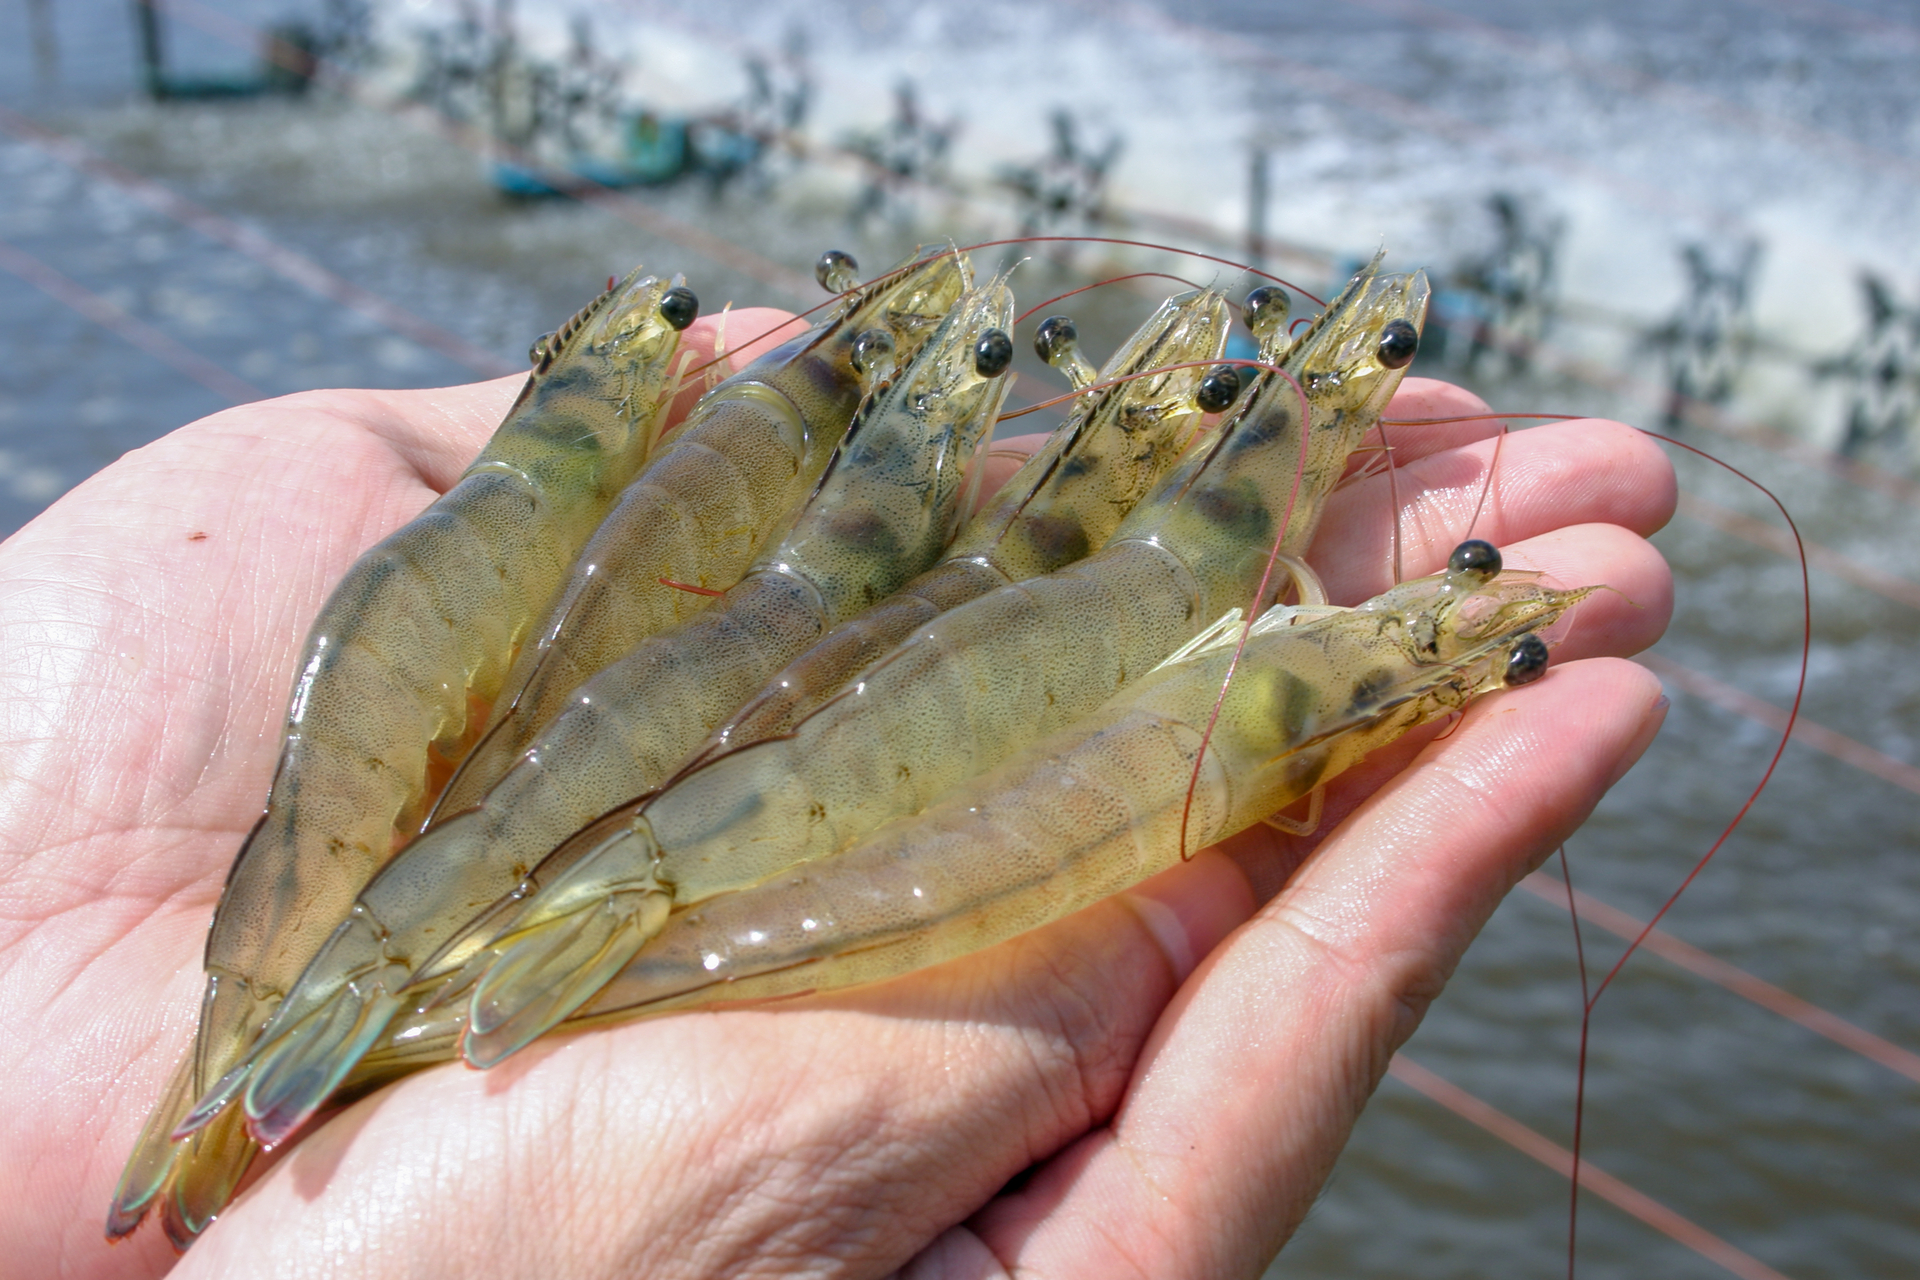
[(1697, 218)]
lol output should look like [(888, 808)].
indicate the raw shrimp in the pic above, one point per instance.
[(1107, 803), (883, 509), (1064, 501), (415, 639), (973, 687), (747, 457)]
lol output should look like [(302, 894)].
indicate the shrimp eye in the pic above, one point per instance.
[(1055, 337), (1398, 341), (541, 348), (1218, 389), (1528, 661), (870, 348), (679, 307), (1267, 308), (1482, 559), (837, 272), (993, 353)]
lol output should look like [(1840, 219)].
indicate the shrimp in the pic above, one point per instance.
[(971, 688), (1063, 502), (749, 454), (1120, 795), (883, 509), (416, 637)]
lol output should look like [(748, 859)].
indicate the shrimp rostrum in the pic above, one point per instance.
[(1151, 777)]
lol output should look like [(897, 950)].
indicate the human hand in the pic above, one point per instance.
[(1176, 1109)]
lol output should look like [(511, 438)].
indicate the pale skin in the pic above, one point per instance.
[(1154, 1087)]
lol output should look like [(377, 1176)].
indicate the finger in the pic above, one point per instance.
[(1405, 428), (1628, 616), (1583, 472), (1251, 1082)]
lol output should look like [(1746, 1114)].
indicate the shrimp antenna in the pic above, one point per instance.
[(991, 244), (1793, 713), (1580, 1076), (882, 278), (1493, 467), (1101, 284), (1589, 998), (1148, 244)]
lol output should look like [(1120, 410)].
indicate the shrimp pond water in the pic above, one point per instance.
[(128, 311)]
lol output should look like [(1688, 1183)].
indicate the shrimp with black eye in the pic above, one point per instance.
[(969, 689), (734, 473), (390, 690), (881, 511), (1063, 502), (1150, 777)]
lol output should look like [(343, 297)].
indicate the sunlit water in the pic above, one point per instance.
[(1793, 1149)]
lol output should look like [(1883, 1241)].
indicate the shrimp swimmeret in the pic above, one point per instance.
[(419, 632), (1117, 797)]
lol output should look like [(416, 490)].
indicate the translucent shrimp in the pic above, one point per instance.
[(971, 688), (1105, 804), (1064, 501), (884, 508), (416, 637), (747, 457)]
